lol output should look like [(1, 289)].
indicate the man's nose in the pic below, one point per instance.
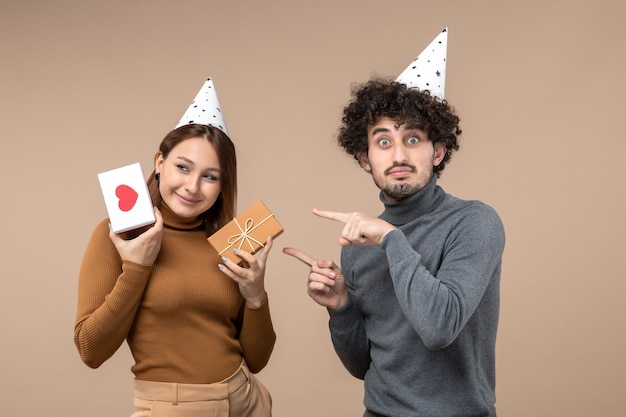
[(399, 153)]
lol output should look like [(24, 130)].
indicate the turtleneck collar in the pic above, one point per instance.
[(174, 221), (424, 201)]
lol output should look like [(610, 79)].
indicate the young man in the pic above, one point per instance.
[(414, 307)]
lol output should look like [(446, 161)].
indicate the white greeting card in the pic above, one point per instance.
[(127, 198)]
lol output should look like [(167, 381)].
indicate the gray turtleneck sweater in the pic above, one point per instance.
[(420, 327)]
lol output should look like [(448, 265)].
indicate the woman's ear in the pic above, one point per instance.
[(440, 153), (158, 161), (364, 161)]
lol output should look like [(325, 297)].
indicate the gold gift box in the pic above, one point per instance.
[(248, 231)]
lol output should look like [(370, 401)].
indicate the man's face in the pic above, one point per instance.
[(400, 158)]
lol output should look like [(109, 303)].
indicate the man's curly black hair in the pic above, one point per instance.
[(380, 97)]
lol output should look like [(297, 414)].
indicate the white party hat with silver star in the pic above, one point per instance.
[(428, 70), (205, 108)]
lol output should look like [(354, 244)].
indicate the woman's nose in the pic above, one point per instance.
[(192, 184)]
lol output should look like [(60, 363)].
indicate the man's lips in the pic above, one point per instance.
[(400, 172)]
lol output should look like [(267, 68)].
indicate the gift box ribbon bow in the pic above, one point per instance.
[(244, 236)]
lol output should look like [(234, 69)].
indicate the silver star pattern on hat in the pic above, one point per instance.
[(428, 70), (205, 108)]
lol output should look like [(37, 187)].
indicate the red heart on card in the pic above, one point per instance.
[(127, 196)]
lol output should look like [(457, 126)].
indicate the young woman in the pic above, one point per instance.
[(198, 326)]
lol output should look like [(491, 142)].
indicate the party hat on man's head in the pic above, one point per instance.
[(205, 109), (428, 70)]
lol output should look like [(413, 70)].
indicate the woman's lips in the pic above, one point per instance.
[(187, 200)]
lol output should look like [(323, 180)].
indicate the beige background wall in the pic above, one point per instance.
[(89, 86)]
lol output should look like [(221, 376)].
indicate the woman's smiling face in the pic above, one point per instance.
[(189, 177)]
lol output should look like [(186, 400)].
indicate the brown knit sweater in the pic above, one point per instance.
[(184, 320)]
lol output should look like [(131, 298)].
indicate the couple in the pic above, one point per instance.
[(413, 303)]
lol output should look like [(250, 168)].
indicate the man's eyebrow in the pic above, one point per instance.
[(380, 130)]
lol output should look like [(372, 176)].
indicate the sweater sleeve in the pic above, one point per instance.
[(257, 337), (439, 303), (109, 293), (350, 339)]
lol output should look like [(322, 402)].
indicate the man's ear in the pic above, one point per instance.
[(364, 161), (440, 153)]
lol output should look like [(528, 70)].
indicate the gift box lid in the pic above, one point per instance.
[(248, 231)]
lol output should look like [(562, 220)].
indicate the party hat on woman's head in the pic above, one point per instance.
[(428, 70), (205, 109)]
